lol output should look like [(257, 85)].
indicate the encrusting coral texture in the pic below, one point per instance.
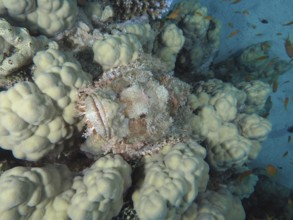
[(103, 125)]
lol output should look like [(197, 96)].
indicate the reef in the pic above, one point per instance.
[(115, 110)]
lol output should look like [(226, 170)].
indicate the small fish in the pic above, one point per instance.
[(279, 34), (273, 61), (275, 85), (231, 24), (290, 129), (243, 175), (259, 34), (265, 46), (198, 13), (236, 1), (174, 14), (245, 12), (287, 81), (264, 21), (289, 23), (285, 154), (253, 26), (208, 17), (289, 139), (286, 102), (262, 58), (232, 34), (271, 170), (289, 47)]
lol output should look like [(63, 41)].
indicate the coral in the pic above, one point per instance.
[(143, 31), (99, 192), (37, 117), (257, 93), (26, 191), (201, 33), (219, 205), (171, 41), (45, 17), (243, 185), (98, 12), (253, 126), (53, 192), (172, 181), (116, 50), (256, 62), (19, 47), (127, 9), (231, 138)]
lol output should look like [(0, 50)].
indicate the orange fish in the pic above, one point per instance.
[(208, 17), (289, 23), (275, 85), (271, 170), (232, 34), (174, 14), (289, 47), (261, 58), (286, 102), (243, 175)]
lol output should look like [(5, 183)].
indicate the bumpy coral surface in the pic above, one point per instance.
[(127, 9), (25, 192), (172, 181), (116, 50), (141, 143), (229, 135), (46, 17), (18, 47), (38, 117)]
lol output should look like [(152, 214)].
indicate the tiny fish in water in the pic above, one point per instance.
[(253, 26), (259, 34), (236, 1), (275, 85), (265, 46), (285, 154), (208, 17), (232, 34), (231, 24), (243, 175), (271, 170), (289, 23), (279, 34), (289, 139), (261, 58), (286, 102), (264, 21), (289, 47), (174, 14), (290, 129), (245, 12)]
